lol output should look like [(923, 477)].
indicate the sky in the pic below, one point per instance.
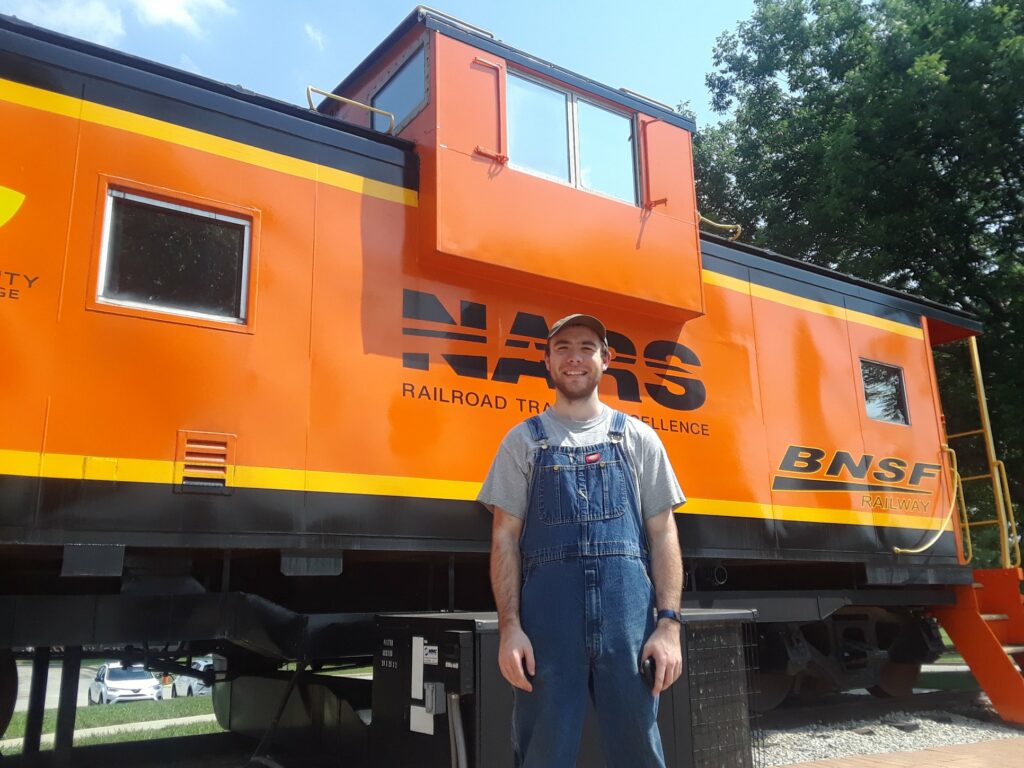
[(659, 48)]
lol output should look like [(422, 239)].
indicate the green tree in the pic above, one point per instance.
[(885, 138)]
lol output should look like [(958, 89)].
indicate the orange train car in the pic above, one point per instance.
[(260, 351)]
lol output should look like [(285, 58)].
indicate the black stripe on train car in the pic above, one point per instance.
[(809, 281), (760, 539), (49, 61), (34, 510), (151, 514)]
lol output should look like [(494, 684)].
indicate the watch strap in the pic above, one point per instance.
[(666, 613)]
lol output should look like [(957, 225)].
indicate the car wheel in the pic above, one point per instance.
[(189, 691), (174, 691), (88, 698)]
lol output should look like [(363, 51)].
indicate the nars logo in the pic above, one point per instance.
[(666, 373), (841, 470)]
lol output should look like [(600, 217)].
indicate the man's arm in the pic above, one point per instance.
[(514, 648), (667, 569)]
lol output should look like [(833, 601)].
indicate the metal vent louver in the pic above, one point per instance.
[(204, 461)]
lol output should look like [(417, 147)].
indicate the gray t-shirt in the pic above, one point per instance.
[(508, 481)]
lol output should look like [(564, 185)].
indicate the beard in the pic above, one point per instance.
[(578, 391)]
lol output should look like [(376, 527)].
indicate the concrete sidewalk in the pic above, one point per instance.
[(1001, 753), (146, 725)]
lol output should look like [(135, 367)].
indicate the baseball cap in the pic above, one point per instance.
[(587, 321)]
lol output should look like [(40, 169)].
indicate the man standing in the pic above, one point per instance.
[(582, 498)]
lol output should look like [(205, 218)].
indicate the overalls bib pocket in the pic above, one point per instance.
[(575, 491)]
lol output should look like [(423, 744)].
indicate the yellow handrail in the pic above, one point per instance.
[(738, 229), (310, 90), (956, 496), (990, 455), (1009, 543), (1011, 518)]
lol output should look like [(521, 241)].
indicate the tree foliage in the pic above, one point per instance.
[(885, 138)]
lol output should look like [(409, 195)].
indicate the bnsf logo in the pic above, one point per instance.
[(889, 473), (665, 363)]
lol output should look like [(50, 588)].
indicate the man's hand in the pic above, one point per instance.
[(514, 654), (667, 574), (663, 647)]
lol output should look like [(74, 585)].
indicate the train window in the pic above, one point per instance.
[(606, 152), (538, 128), (884, 393), (559, 135), (404, 94), (172, 258)]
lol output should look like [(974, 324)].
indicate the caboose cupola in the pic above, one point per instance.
[(533, 175)]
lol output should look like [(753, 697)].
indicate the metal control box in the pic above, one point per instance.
[(423, 659)]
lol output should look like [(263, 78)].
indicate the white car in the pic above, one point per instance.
[(187, 685), (115, 683)]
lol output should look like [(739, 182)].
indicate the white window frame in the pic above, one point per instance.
[(101, 281), (573, 122)]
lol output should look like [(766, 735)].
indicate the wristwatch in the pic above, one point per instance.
[(667, 613)]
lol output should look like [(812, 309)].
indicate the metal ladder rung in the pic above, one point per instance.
[(995, 617), (966, 434), (1013, 649), (1009, 538)]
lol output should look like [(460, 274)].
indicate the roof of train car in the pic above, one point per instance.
[(816, 277), (21, 39), (478, 38)]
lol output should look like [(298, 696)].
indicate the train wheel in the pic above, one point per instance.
[(895, 680), (8, 689), (772, 688)]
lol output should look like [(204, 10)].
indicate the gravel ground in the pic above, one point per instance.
[(898, 732)]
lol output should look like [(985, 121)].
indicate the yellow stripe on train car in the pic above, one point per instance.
[(76, 467), (809, 305), (119, 119)]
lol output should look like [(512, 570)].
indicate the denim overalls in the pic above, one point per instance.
[(587, 606)]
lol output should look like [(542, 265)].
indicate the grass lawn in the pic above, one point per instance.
[(129, 712), (950, 656), (172, 731)]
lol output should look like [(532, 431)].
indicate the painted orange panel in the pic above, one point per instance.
[(917, 443), (666, 156), (530, 227), (156, 375), (810, 401), (727, 464), (36, 178)]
